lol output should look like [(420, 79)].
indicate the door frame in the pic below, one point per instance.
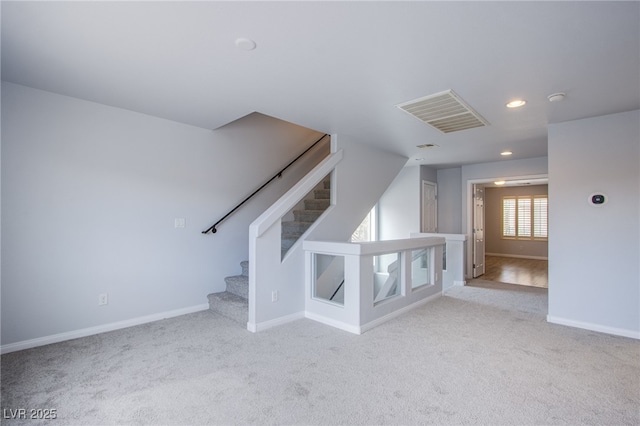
[(422, 204), (475, 263), (468, 196)]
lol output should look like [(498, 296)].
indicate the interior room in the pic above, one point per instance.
[(180, 182)]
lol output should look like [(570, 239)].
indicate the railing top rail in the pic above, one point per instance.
[(373, 247), (213, 228), (274, 213), (448, 237)]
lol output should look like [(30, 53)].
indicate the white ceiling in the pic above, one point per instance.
[(339, 67)]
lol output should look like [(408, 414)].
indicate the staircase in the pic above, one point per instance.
[(304, 218), (233, 303)]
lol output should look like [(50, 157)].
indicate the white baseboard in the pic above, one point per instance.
[(333, 323), (394, 314), (459, 283), (517, 256), (368, 326), (260, 326), (84, 332), (594, 327)]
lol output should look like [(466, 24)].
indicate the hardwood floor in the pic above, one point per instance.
[(511, 270)]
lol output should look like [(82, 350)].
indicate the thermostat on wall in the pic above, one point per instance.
[(597, 199)]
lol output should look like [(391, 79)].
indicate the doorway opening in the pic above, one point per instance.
[(507, 256)]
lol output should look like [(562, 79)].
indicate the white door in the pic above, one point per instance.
[(429, 207), (478, 231)]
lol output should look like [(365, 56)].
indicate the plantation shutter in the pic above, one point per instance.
[(540, 213), (524, 217), (508, 217)]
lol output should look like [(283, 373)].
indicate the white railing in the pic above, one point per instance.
[(370, 282), (454, 258)]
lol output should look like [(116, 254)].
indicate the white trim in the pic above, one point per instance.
[(422, 205), (467, 199), (333, 323), (274, 213), (394, 314), (84, 332), (255, 327), (594, 327), (517, 256), (459, 283)]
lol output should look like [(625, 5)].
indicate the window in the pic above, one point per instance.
[(525, 217), (366, 231)]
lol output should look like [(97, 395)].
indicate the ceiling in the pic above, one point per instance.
[(339, 67)]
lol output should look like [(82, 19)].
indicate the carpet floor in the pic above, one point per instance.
[(481, 354)]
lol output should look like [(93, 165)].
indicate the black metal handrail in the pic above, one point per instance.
[(337, 290), (213, 229)]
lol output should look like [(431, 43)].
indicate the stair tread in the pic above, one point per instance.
[(237, 278), (309, 211), (230, 306)]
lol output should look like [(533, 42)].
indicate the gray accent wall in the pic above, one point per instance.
[(450, 201), (594, 251), (89, 198)]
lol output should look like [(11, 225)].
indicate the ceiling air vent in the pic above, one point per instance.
[(444, 111)]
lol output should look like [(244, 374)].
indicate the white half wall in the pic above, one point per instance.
[(89, 198), (594, 251), (359, 180)]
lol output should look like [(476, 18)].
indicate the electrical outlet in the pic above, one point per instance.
[(103, 299), (274, 296)]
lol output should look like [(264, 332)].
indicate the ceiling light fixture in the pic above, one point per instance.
[(556, 97), (499, 182), (245, 44), (427, 145), (516, 103), (506, 153)]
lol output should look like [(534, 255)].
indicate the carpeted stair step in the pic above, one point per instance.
[(288, 241), (307, 215), (245, 267), (230, 306), (238, 285), (295, 228), (317, 204), (322, 194)]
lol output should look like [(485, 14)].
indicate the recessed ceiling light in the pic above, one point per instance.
[(506, 153), (499, 182), (516, 103), (245, 44)]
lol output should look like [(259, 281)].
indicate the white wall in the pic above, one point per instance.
[(594, 252), (89, 197), (399, 206), (360, 177)]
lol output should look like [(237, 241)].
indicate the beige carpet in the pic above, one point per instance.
[(482, 354)]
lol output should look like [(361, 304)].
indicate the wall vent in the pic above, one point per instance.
[(444, 111)]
